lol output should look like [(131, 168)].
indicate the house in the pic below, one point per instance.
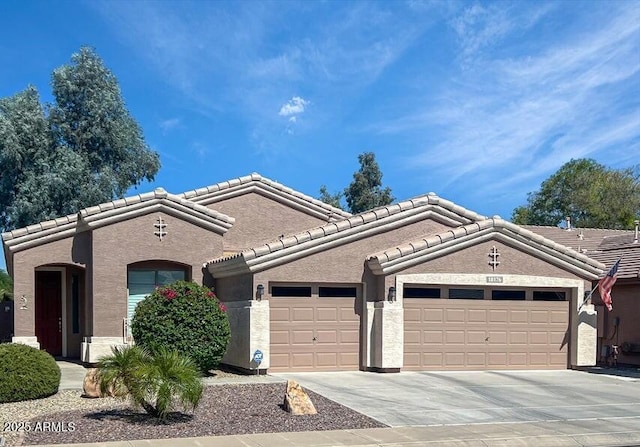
[(420, 284)]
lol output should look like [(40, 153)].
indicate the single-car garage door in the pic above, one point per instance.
[(477, 334), (314, 328)]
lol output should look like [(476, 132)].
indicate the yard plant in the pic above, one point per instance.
[(186, 317), (26, 373), (157, 383)]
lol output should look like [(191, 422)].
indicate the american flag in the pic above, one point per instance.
[(606, 284)]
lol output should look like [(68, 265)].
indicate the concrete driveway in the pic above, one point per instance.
[(487, 397)]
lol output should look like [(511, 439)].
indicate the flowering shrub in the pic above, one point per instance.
[(185, 317)]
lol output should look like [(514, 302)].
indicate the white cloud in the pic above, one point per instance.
[(170, 124), (295, 106)]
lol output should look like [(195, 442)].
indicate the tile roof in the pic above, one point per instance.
[(267, 187), (109, 212), (337, 233), (583, 240), (624, 247), (433, 246)]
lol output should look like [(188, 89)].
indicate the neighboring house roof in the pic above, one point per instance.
[(584, 240), (626, 248), (116, 211), (343, 231), (435, 246), (268, 188)]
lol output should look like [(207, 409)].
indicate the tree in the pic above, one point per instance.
[(86, 150), (592, 195), (155, 382), (365, 191), (330, 199), (6, 286)]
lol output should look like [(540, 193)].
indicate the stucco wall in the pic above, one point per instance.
[(475, 259), (346, 263), (260, 219), (626, 307), (69, 251), (237, 288), (118, 245)]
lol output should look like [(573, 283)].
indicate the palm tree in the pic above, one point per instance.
[(157, 383)]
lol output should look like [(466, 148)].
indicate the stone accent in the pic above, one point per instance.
[(296, 401), (29, 341), (385, 324), (91, 384), (584, 336), (93, 348), (250, 331)]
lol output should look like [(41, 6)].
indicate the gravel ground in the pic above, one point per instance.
[(224, 410)]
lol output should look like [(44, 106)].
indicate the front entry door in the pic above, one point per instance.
[(49, 311)]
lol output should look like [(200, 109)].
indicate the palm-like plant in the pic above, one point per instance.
[(157, 383)]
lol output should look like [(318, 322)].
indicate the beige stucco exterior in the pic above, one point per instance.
[(251, 232)]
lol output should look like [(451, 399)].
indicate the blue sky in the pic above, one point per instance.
[(476, 101)]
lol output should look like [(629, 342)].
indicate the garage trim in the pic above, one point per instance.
[(582, 324)]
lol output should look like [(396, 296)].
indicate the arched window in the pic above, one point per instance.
[(144, 277)]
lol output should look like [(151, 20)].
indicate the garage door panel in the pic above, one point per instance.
[(302, 314), (327, 359), (497, 337), (477, 359), (492, 334), (495, 359), (326, 336), (518, 338), (300, 337), (412, 337), (279, 360), (432, 337), (302, 360), (454, 337), (538, 338), (279, 314), (476, 337), (348, 314), (498, 316), (314, 334), (454, 359), (280, 337), (518, 316), (455, 315), (539, 316), (434, 315), (349, 336), (477, 316), (327, 314)]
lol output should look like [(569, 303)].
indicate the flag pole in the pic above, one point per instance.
[(588, 297)]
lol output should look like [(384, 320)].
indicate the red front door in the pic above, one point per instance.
[(49, 311)]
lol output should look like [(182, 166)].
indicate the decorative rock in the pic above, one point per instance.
[(91, 384), (296, 401)]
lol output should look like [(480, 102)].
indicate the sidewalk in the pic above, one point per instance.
[(534, 434)]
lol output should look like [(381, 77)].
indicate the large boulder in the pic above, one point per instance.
[(296, 401), (91, 384)]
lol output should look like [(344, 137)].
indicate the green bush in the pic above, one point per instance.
[(185, 317), (154, 382), (26, 373)]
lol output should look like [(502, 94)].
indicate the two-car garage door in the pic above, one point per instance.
[(314, 328), (468, 334)]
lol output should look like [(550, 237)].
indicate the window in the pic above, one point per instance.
[(420, 292), (548, 295), (291, 291), (518, 295), (143, 282), (466, 294), (337, 292), (75, 304)]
